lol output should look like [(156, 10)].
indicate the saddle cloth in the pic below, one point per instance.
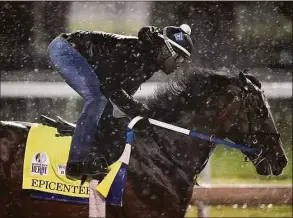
[(44, 170), (45, 161)]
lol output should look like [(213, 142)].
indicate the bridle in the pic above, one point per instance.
[(251, 136)]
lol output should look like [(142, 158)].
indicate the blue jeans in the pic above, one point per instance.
[(80, 76)]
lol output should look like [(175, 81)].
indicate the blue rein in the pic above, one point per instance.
[(192, 133), (224, 142)]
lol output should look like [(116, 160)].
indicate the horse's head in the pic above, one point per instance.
[(226, 106), (252, 124)]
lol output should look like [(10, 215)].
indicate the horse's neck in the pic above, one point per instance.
[(188, 153)]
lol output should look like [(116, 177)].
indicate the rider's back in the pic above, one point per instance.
[(116, 57)]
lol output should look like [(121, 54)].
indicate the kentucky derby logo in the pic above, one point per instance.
[(40, 164)]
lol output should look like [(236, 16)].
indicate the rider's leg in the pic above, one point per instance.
[(81, 77)]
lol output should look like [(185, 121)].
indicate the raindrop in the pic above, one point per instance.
[(145, 191)]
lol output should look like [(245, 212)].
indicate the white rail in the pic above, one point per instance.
[(242, 194), (62, 90)]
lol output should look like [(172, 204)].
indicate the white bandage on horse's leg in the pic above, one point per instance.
[(97, 203)]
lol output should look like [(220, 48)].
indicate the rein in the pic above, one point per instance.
[(130, 134)]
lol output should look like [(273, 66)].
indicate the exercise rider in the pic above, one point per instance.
[(102, 66)]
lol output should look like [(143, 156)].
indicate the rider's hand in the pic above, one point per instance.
[(142, 125), (144, 111)]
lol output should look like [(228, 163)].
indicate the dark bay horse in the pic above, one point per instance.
[(164, 164)]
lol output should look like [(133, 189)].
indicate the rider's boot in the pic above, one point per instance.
[(94, 165)]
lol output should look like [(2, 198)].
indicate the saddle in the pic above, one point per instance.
[(64, 127)]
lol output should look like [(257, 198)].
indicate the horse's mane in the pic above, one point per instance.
[(195, 81)]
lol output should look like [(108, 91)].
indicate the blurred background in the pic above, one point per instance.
[(252, 35)]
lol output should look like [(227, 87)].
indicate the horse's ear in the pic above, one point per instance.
[(254, 80), (242, 79)]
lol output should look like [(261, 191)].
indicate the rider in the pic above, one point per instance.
[(102, 66)]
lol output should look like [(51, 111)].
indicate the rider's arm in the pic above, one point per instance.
[(127, 103), (122, 96), (147, 35)]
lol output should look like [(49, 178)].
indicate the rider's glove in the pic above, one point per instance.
[(142, 125), (144, 111)]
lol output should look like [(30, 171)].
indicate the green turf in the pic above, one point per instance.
[(240, 211)]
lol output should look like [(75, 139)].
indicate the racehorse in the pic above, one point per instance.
[(164, 165)]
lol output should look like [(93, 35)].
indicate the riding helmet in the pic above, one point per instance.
[(177, 40)]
